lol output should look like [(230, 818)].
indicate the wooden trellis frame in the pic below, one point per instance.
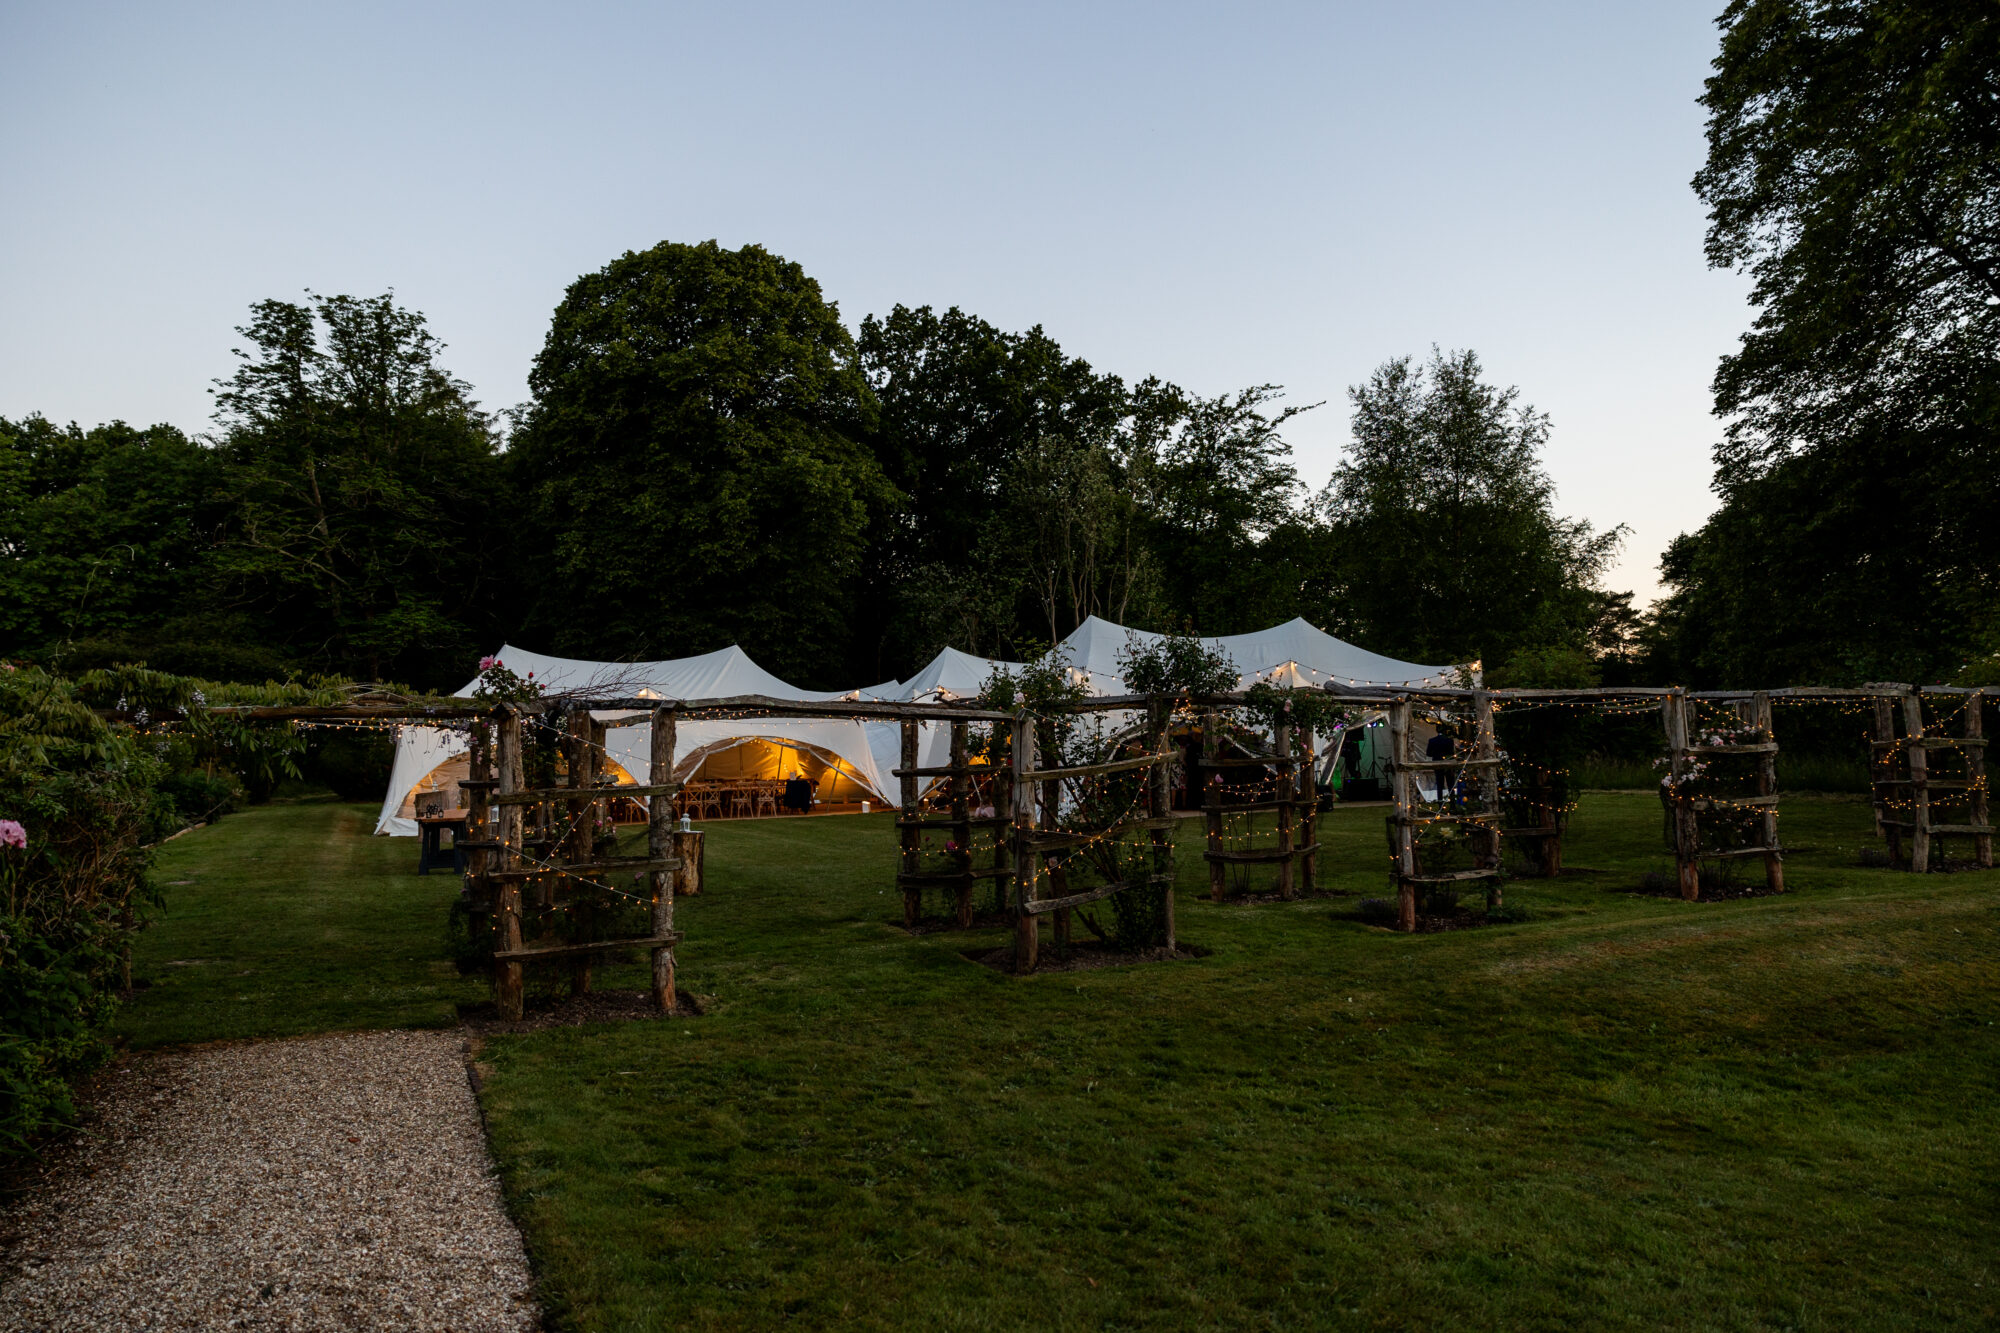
[(1294, 801), (1406, 818), (1902, 766), (508, 869), (1035, 787), (1686, 813), (912, 825)]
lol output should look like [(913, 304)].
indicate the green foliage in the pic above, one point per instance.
[(1854, 173), (692, 464), (1552, 667), (103, 535), (1176, 664), (1446, 546), (83, 793)]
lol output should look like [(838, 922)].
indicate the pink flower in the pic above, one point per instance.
[(12, 834), (488, 663)]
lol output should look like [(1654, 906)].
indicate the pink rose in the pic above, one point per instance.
[(12, 834), (488, 663)]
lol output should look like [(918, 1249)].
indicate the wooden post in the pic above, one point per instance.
[(1027, 941), (1687, 833), (1211, 801), (659, 846), (1404, 838), (912, 836), (507, 901), (1882, 766), (1767, 785), (961, 817), (1920, 791), (581, 842), (1306, 779), (1160, 799), (1051, 819), (1001, 782), (1977, 805), (479, 804), (1486, 746), (1287, 790)]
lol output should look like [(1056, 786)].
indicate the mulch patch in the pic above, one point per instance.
[(1082, 957), (539, 1012)]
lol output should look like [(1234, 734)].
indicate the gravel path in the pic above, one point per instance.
[(326, 1183)]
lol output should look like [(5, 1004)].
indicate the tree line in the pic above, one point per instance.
[(711, 456)]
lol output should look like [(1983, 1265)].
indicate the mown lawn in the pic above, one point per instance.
[(1621, 1112)]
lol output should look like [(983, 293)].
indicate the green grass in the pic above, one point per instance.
[(288, 918), (1624, 1112)]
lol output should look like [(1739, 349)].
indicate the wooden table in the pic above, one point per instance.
[(430, 839)]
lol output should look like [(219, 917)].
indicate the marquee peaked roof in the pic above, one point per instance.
[(1294, 653)]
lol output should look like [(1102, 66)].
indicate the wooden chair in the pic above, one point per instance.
[(741, 802), (767, 797)]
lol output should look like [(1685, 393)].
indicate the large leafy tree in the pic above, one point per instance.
[(1005, 448), (1215, 478), (692, 466), (1444, 542), (359, 479), (1854, 173)]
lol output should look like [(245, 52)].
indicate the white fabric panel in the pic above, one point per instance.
[(418, 751)]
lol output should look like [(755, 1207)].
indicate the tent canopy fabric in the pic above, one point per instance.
[(1294, 653), (851, 747)]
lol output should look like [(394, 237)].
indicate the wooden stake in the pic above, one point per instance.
[(1306, 777), (961, 814), (1687, 833), (660, 845), (1485, 745), (1920, 790), (912, 836), (1027, 940), (1288, 792), (1403, 837), (1211, 799), (1883, 764), (507, 993), (581, 842), (1978, 805), (1160, 800), (1767, 785)]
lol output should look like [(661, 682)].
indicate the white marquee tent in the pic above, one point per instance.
[(864, 753)]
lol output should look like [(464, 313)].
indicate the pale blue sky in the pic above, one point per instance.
[(1221, 195)]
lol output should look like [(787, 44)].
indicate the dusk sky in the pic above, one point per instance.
[(1219, 195)]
